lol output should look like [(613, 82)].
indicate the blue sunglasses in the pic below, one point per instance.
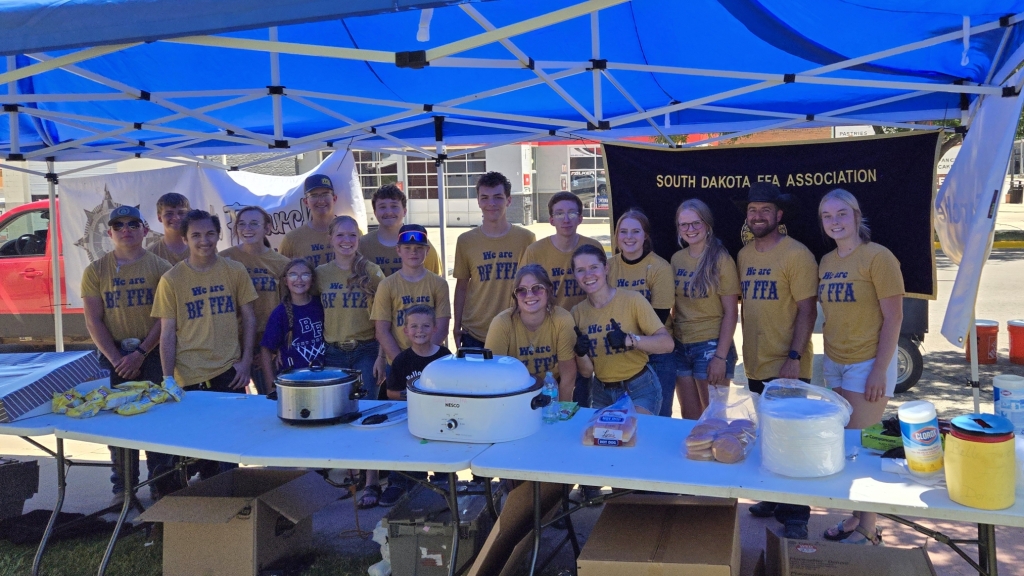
[(412, 237)]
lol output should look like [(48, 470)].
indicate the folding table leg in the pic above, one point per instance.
[(987, 549), (568, 524), (453, 503), (536, 527), (129, 495), (61, 486)]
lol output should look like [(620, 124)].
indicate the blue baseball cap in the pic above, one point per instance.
[(317, 181), (124, 212)]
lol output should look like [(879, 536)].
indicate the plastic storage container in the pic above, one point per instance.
[(1008, 397), (919, 427), (981, 465), (1016, 330), (988, 342), (420, 532)]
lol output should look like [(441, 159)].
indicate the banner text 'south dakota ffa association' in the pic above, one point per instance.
[(892, 177)]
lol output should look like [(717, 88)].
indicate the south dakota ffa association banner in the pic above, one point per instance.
[(85, 205), (893, 178)]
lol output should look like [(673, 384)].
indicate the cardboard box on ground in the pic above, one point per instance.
[(662, 535), (19, 481), (238, 522), (784, 557)]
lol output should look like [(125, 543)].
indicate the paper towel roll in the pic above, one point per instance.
[(802, 438)]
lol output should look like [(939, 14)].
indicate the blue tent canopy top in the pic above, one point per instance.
[(179, 79)]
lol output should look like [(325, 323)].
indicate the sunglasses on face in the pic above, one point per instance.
[(412, 237), (132, 225), (571, 215), (319, 196), (297, 275), (534, 290)]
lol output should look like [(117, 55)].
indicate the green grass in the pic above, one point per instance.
[(81, 557)]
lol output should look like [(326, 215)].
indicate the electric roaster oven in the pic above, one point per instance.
[(476, 397)]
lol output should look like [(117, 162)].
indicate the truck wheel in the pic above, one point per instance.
[(909, 364)]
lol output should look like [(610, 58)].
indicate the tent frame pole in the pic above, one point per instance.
[(275, 80), (975, 380), (439, 161), (54, 234)]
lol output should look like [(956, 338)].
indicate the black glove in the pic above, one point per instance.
[(582, 347), (616, 338)]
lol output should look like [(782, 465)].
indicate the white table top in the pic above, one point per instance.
[(245, 429), (657, 462)]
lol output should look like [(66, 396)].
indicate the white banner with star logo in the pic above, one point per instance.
[(85, 205)]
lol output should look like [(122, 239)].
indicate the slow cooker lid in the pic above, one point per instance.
[(474, 372), (316, 375)]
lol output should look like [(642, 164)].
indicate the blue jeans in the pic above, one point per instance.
[(361, 358), (581, 391), (644, 390), (470, 342), (664, 365), (693, 359)]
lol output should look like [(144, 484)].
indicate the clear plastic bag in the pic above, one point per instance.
[(803, 429), (613, 425), (727, 429)]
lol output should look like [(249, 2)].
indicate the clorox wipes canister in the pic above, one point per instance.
[(980, 464), (919, 426)]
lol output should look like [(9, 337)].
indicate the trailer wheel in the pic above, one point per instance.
[(909, 364)]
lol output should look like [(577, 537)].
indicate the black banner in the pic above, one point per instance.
[(893, 178)]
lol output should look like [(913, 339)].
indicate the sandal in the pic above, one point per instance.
[(839, 532), (861, 536), (370, 497)]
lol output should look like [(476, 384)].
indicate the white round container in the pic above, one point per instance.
[(919, 426), (1008, 395), (802, 438)]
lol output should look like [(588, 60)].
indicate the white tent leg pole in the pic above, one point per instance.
[(439, 137), (975, 382), (58, 316)]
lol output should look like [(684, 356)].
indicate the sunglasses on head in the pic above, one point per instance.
[(131, 224), (412, 237), (534, 290)]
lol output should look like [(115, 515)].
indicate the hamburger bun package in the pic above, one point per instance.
[(727, 429), (613, 425)]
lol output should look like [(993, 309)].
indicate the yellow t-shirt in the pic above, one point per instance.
[(541, 350), (636, 316), (395, 295), (205, 306), (652, 276), (700, 319), (558, 265), (265, 270), (161, 250), (304, 242), (490, 265), (387, 257), (772, 283), (127, 292), (346, 309), (849, 291)]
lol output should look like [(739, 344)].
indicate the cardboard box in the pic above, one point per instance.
[(658, 535), (28, 381), (238, 522), (506, 550), (19, 481), (784, 557)]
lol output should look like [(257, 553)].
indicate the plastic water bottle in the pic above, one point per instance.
[(551, 389), (921, 441)]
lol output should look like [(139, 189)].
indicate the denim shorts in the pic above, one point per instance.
[(692, 359), (644, 391)]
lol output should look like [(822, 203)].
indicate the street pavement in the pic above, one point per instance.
[(943, 383)]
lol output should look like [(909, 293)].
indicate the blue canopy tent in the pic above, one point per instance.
[(182, 80)]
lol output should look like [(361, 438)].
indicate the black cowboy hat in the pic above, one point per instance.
[(765, 192)]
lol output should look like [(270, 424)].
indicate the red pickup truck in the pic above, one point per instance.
[(26, 281)]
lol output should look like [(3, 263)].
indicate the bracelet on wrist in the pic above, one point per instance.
[(720, 358)]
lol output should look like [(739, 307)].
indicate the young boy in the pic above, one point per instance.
[(486, 260), (554, 253), (379, 245), (412, 284), (310, 240), (419, 328), (170, 209)]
